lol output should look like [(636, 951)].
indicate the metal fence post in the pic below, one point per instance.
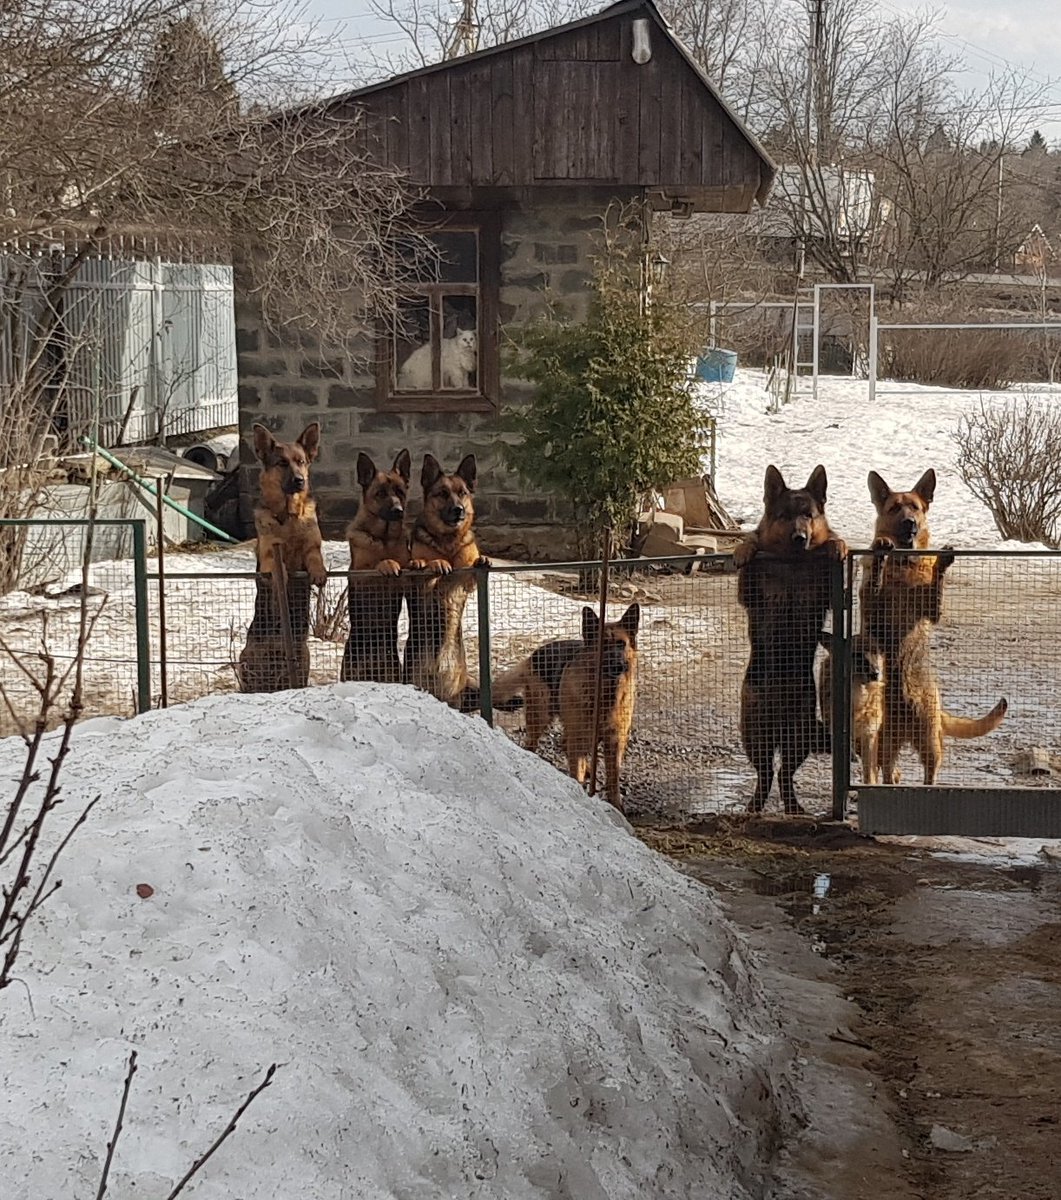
[(143, 627), (816, 321), (872, 373), (840, 718), (482, 599)]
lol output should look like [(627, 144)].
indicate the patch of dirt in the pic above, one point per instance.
[(955, 969)]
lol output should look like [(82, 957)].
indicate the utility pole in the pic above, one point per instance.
[(465, 37), (816, 12), (998, 210)]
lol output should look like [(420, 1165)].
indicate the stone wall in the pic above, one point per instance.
[(285, 385)]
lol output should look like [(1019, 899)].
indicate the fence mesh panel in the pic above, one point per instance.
[(207, 618), (998, 637), (41, 619), (685, 754)]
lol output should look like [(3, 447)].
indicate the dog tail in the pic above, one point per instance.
[(974, 727), (509, 686), (505, 700)]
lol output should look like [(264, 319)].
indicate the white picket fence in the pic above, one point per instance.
[(145, 344)]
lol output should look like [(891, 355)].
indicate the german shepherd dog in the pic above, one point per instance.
[(867, 699), (285, 521), (900, 599), (784, 585), (443, 540), (377, 543), (557, 680)]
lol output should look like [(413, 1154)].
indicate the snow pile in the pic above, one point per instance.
[(900, 436), (476, 980)]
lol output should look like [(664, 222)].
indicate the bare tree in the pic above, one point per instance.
[(427, 26), (730, 39), (944, 172), (125, 116)]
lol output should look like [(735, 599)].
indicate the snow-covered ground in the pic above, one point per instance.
[(476, 981), (900, 436)]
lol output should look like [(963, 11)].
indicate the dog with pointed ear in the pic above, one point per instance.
[(793, 521), (286, 513), (285, 522), (902, 517), (378, 544), (900, 598), (443, 541), (443, 538), (377, 533), (610, 650)]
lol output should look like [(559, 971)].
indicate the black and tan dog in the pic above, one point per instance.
[(557, 680), (867, 699), (901, 598), (378, 543), (443, 541), (285, 521), (784, 585)]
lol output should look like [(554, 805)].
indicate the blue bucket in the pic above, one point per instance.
[(717, 366)]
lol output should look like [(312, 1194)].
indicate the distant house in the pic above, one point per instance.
[(841, 204), (1035, 254), (520, 148)]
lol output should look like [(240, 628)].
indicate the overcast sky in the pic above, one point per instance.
[(990, 35)]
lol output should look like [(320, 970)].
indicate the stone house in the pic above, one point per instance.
[(521, 148)]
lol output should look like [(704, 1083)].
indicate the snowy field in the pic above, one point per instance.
[(475, 980), (900, 436), (1000, 636)]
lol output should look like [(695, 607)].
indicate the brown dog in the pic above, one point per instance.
[(785, 585), (557, 680), (285, 521), (867, 699), (900, 599), (377, 543), (443, 540)]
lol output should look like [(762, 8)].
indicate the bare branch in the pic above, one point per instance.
[(102, 1191), (225, 1133)]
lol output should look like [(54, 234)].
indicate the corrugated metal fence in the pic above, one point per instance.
[(147, 344)]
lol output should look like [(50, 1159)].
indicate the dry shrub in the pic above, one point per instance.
[(331, 616), (757, 335), (1010, 458), (963, 358)]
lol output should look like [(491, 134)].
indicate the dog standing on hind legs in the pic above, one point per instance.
[(784, 585), (557, 680), (900, 599), (285, 521), (867, 699), (443, 541), (377, 543)]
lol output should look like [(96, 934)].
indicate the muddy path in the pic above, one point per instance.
[(953, 972)]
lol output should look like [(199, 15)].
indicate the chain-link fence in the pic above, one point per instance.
[(685, 752), (965, 714), (961, 695), (51, 615)]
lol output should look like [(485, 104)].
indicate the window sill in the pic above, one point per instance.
[(437, 402)]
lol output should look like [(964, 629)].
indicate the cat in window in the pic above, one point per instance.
[(459, 359)]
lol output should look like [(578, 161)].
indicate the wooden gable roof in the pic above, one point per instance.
[(570, 106)]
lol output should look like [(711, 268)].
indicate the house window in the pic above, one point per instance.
[(442, 350)]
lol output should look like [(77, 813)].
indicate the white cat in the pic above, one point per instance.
[(459, 361)]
